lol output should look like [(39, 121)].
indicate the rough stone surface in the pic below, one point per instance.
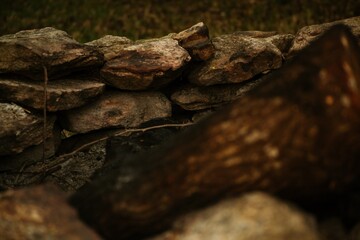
[(310, 33), (27, 51), (238, 57), (40, 212), (61, 94), (110, 45), (254, 216), (196, 41), (117, 109), (282, 41), (32, 154), (192, 97), (20, 128), (145, 64)]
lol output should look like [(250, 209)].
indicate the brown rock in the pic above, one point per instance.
[(110, 45), (310, 33), (40, 212), (238, 57), (117, 109), (32, 154), (20, 128), (254, 216), (196, 41), (192, 97), (282, 41), (145, 64), (61, 94), (27, 51)]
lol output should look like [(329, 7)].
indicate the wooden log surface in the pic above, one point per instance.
[(298, 132)]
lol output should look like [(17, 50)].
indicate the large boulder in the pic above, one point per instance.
[(238, 57), (117, 109), (26, 52), (61, 94)]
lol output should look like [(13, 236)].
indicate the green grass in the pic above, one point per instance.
[(87, 20)]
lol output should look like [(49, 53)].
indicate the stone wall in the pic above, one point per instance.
[(114, 82)]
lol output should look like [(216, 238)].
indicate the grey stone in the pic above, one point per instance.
[(238, 57), (21, 128), (26, 52), (145, 64), (308, 34), (254, 216), (117, 109), (62, 94), (192, 97)]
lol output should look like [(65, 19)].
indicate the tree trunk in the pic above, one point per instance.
[(298, 132)]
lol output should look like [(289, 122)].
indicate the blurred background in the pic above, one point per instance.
[(87, 20)]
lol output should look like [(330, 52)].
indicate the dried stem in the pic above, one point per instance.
[(44, 111)]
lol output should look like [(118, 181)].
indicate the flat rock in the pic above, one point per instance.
[(61, 94), (254, 216), (40, 212), (308, 34), (110, 45), (238, 57), (144, 64), (192, 97), (32, 154), (27, 51), (117, 109), (20, 128), (196, 41)]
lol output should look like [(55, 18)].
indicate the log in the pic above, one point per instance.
[(297, 133)]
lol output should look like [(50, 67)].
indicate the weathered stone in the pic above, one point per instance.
[(196, 41), (20, 128), (238, 57), (40, 212), (117, 109), (61, 94), (26, 52), (145, 64), (32, 154), (282, 41), (192, 97), (310, 33), (110, 45), (254, 216)]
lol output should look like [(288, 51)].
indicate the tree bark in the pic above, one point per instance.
[(297, 132)]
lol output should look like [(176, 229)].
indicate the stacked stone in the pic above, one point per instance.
[(115, 82)]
